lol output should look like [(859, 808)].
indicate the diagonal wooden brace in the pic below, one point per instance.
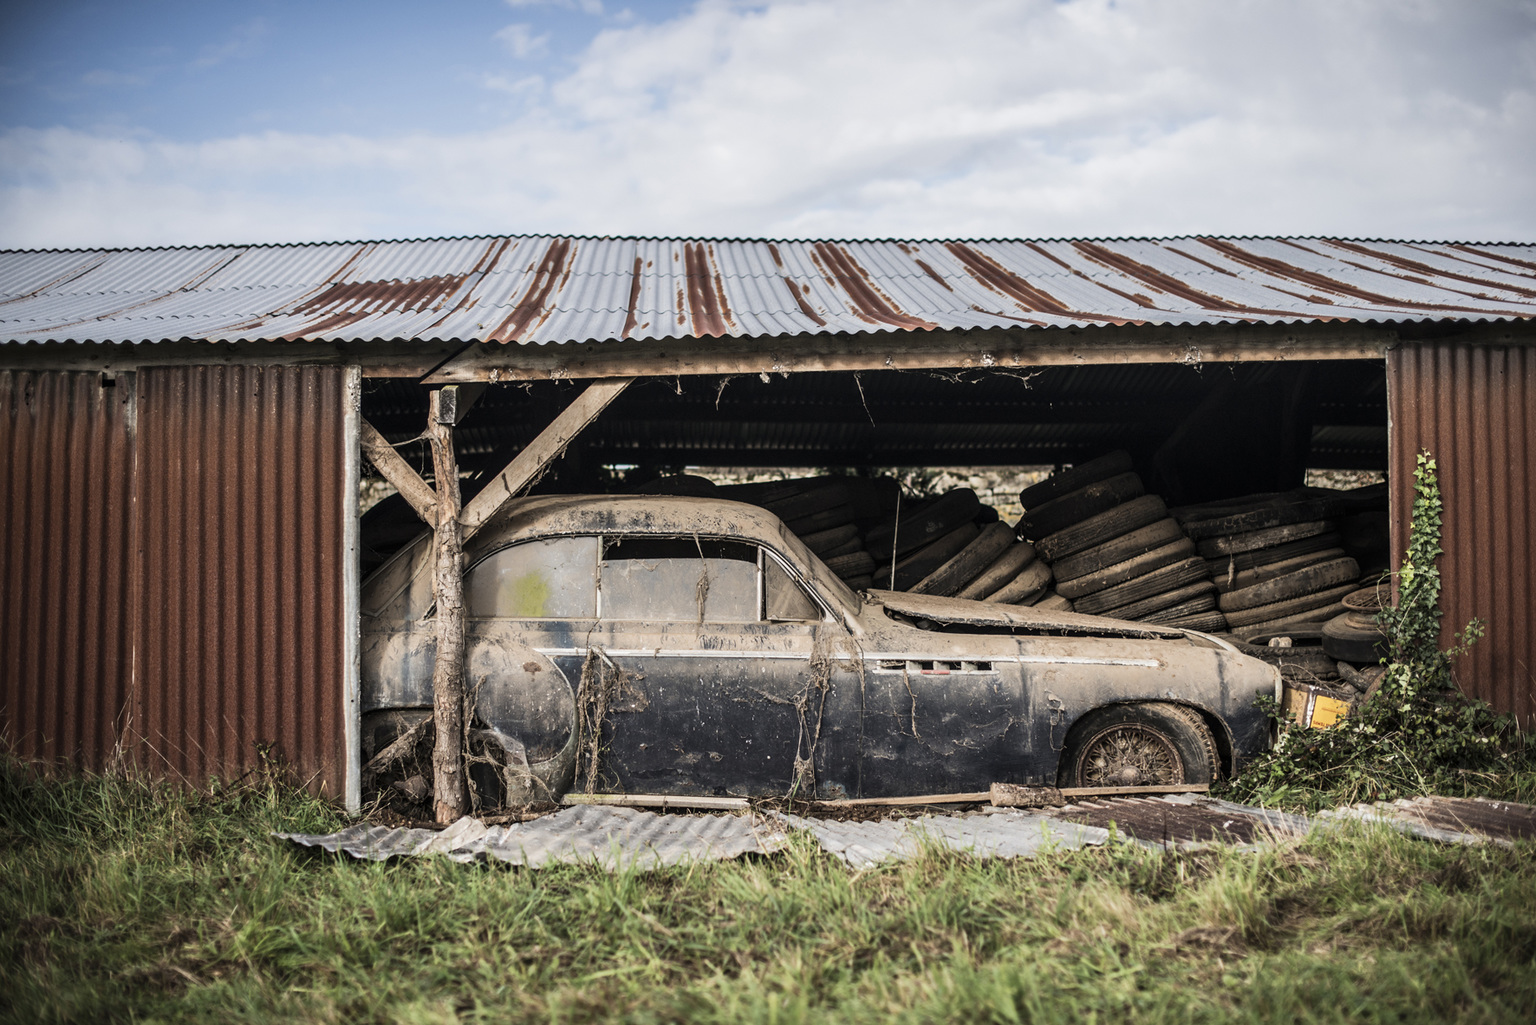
[(543, 450), (398, 472)]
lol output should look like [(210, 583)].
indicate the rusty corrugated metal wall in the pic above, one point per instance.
[(66, 468), (1474, 408), (174, 578)]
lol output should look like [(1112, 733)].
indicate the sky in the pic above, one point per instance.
[(156, 122)]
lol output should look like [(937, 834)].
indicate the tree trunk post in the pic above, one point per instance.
[(448, 777)]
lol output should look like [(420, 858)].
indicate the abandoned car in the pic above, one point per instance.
[(695, 647)]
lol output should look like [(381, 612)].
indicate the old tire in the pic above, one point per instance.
[(1122, 519), (1079, 476), (1077, 506), (931, 522), (1130, 569), (1355, 637), (1140, 745), (1307, 580), (1267, 516), (1267, 556), (858, 564), (810, 501), (1005, 568), (1031, 581), (820, 522), (972, 560), (1205, 622), (1257, 540), (930, 557), (1159, 581), (1119, 549), (1051, 602), (1140, 610), (1236, 580), (1289, 609)]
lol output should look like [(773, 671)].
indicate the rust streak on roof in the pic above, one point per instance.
[(1528, 265), (935, 275), (1135, 297), (77, 271), (632, 310), (483, 266), (1423, 268), (1204, 263), (803, 303), (200, 275), (534, 306), (1281, 269), (1029, 297), (1156, 279), (778, 258), (706, 307), (864, 297)]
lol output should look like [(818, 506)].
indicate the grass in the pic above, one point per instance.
[(127, 901)]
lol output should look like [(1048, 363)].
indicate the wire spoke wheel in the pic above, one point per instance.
[(1145, 744), (1131, 755)]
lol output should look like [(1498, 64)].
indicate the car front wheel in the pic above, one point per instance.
[(1142, 745)]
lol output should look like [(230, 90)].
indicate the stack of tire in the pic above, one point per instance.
[(830, 514), (953, 546), (1276, 559), (1114, 550)]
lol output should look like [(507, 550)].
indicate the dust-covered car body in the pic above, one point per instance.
[(693, 646)]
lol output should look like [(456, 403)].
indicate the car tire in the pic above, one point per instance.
[(1267, 516), (809, 502), (1234, 580), (1139, 610), (853, 544), (1205, 622), (1030, 582), (1198, 605), (858, 564), (931, 556), (818, 522), (1309, 658), (1119, 549), (1290, 609), (1308, 580), (1267, 556), (1167, 578), (1051, 601), (822, 542), (1151, 743), (1309, 624), (969, 563), (1354, 637), (1256, 540), (1007, 566), (1077, 506), (925, 525), (860, 583), (1130, 569), (1095, 530), (1079, 476)]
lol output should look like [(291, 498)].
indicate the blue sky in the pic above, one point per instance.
[(167, 122)]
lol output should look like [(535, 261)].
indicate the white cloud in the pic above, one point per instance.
[(892, 118), (521, 42)]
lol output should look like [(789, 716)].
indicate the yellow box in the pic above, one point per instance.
[(1312, 706)]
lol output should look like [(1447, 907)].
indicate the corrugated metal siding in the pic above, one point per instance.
[(171, 570), (1474, 408), (240, 615), (555, 289), (66, 462)]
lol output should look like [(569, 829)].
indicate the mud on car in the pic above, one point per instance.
[(695, 647)]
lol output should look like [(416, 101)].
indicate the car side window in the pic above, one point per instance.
[(554, 578), (783, 599), (678, 579)]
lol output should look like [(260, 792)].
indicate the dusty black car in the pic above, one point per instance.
[(693, 646)]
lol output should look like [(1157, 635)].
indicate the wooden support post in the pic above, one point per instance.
[(448, 776), (532, 460)]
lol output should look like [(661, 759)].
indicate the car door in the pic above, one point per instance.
[(724, 684)]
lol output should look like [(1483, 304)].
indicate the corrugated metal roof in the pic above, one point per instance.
[(543, 289), (617, 837)]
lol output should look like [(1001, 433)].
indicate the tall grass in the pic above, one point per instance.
[(127, 901)]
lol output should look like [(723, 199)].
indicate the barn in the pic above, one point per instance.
[(185, 432)]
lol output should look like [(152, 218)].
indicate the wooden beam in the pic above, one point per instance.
[(454, 401), (398, 472), (532, 460), (979, 349)]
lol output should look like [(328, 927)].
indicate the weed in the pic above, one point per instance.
[(1417, 734)]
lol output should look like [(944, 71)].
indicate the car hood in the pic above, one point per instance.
[(1007, 618)]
